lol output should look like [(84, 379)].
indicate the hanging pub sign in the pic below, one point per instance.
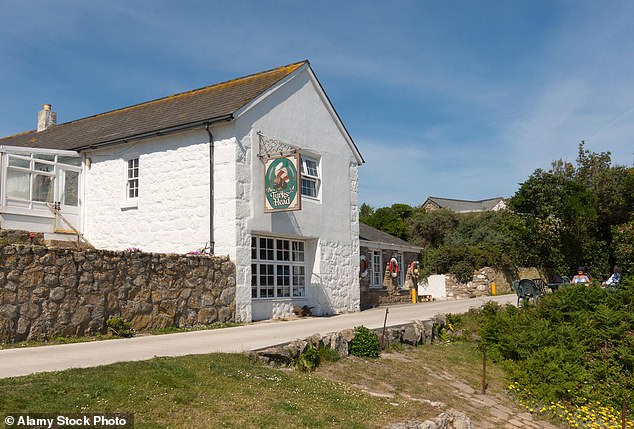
[(281, 184)]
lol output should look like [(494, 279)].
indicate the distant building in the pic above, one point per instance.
[(464, 206), (377, 249)]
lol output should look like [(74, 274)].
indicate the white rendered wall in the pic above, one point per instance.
[(435, 286), (296, 114), (173, 207), (172, 214)]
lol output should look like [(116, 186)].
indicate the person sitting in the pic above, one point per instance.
[(615, 278), (580, 277)]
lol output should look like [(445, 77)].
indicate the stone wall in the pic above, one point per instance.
[(47, 292), (482, 280), (417, 332)]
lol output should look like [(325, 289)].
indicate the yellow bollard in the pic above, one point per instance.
[(414, 293), (493, 288)]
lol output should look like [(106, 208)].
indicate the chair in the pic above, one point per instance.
[(516, 287), (540, 286), (528, 289)]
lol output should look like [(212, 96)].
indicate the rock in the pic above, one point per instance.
[(412, 335), (57, 294)]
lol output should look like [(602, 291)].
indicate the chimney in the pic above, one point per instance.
[(46, 118)]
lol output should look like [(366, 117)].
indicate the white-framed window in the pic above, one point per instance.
[(376, 268), (33, 179), (401, 269), (278, 268), (132, 181), (311, 178)]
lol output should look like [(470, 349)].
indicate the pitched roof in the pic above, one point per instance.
[(368, 233), (462, 206), (209, 104)]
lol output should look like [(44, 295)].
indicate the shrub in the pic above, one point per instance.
[(119, 327), (576, 345), (326, 354), (308, 360), (365, 343), (463, 271)]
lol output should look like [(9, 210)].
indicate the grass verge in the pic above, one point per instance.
[(236, 391)]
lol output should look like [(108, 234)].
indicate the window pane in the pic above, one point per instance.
[(377, 269), (69, 160), (267, 281), (69, 190), (42, 188), (133, 178), (283, 251), (44, 156), (133, 188), (299, 281), (267, 252), (254, 280), (254, 248), (311, 168), (17, 184), (17, 162), (45, 168), (283, 280), (309, 187), (298, 251)]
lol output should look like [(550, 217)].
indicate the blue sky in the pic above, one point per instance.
[(460, 99)]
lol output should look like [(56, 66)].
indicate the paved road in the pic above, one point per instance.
[(17, 362)]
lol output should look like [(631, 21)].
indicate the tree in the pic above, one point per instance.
[(430, 228), (387, 219), (569, 211)]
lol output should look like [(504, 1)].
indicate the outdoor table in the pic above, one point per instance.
[(554, 287)]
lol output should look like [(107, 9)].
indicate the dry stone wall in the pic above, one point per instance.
[(48, 292)]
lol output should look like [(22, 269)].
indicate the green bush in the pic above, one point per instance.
[(326, 354), (308, 360), (463, 271), (119, 327), (365, 343), (576, 345)]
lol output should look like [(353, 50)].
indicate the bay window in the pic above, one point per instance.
[(277, 268)]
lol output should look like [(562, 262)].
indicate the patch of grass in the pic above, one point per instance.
[(217, 390), (102, 337), (425, 372), (176, 330)]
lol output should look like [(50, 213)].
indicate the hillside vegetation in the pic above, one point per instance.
[(559, 219)]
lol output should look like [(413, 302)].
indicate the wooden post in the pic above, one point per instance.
[(484, 370), (387, 310)]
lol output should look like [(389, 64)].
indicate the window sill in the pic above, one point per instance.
[(130, 205), (312, 199), (282, 299), (27, 212)]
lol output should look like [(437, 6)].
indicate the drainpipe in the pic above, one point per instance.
[(211, 190)]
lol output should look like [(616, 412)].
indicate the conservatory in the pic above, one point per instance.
[(40, 189)]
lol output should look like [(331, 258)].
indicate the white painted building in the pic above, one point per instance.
[(186, 171)]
